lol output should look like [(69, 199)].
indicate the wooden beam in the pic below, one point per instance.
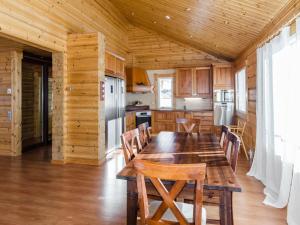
[(16, 105)]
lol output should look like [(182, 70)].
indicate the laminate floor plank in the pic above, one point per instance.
[(35, 192)]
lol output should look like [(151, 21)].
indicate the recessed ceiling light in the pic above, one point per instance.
[(154, 21), (132, 13), (168, 17), (191, 36), (226, 22), (188, 9)]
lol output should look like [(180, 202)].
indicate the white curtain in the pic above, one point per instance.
[(278, 120)]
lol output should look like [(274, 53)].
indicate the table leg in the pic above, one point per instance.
[(226, 213), (132, 203)]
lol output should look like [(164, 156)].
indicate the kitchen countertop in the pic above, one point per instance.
[(174, 110), (184, 110)]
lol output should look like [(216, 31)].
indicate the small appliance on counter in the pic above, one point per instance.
[(223, 107)]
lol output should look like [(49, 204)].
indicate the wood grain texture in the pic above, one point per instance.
[(59, 74), (10, 104), (221, 28), (85, 62), (249, 136), (151, 50), (16, 103), (46, 23), (182, 148)]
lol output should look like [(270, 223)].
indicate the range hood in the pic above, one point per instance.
[(137, 80)]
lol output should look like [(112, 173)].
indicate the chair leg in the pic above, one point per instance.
[(245, 151)]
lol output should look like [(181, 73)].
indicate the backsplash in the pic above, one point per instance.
[(149, 98)]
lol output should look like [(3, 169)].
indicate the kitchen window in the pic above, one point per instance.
[(241, 91), (165, 92)]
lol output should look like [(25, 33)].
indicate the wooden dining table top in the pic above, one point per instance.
[(183, 148)]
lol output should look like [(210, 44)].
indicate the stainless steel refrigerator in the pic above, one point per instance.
[(114, 112), (223, 107)]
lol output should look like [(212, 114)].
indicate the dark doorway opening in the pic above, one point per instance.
[(36, 106)]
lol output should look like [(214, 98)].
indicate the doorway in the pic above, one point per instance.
[(36, 107)]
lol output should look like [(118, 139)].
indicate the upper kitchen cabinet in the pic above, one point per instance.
[(202, 82), (222, 76), (184, 80), (114, 65), (194, 82)]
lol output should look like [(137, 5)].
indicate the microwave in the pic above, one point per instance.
[(224, 96)]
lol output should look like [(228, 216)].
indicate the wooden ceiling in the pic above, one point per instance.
[(223, 28)]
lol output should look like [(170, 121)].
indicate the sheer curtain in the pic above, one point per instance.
[(278, 121)]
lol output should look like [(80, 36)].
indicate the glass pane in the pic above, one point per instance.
[(165, 92), (241, 89)]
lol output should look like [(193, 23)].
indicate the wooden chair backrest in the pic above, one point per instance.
[(223, 136), (186, 124), (232, 149), (241, 125), (129, 140), (180, 173), (144, 133)]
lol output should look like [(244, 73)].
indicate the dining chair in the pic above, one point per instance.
[(130, 140), (168, 211), (188, 125), (223, 136), (145, 133), (239, 130), (232, 149)]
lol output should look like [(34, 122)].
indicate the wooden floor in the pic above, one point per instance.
[(34, 192)]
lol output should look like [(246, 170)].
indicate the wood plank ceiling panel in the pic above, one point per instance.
[(223, 28)]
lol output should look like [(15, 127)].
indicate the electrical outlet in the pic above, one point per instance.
[(8, 91)]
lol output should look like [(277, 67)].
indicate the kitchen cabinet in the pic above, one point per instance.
[(184, 80), (114, 66), (194, 82), (130, 121), (223, 77), (203, 82), (166, 120)]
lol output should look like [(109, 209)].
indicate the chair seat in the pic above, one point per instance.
[(186, 209)]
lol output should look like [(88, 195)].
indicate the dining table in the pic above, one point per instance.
[(187, 148)]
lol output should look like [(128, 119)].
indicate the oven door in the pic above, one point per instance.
[(143, 119)]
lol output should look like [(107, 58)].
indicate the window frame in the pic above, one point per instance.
[(237, 95), (164, 76)]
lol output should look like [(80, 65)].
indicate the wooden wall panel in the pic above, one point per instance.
[(10, 103), (250, 117), (5, 103), (47, 23), (16, 103), (59, 74), (149, 50), (82, 121)]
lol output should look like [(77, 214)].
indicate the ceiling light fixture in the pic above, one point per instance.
[(154, 21), (132, 13), (188, 9), (168, 17)]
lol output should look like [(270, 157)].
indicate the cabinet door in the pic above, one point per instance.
[(223, 77), (164, 116), (110, 64), (184, 80), (120, 68), (202, 82)]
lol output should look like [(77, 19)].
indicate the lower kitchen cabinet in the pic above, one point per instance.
[(166, 120), (130, 121)]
